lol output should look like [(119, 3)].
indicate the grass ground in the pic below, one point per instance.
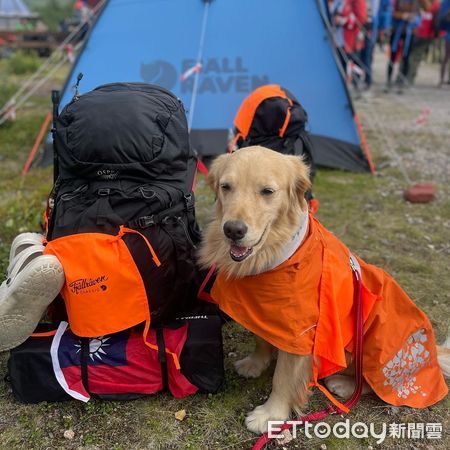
[(366, 212)]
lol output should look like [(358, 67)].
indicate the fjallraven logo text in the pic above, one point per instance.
[(218, 75), (159, 72), (89, 285)]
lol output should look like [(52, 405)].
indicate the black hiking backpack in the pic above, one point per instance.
[(124, 162)]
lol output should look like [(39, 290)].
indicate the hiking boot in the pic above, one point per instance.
[(34, 281)]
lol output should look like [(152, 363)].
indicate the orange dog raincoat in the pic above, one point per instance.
[(305, 306)]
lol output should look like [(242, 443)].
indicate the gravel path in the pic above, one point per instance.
[(390, 121)]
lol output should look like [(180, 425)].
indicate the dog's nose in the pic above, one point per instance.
[(234, 229)]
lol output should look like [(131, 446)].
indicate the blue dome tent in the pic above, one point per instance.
[(213, 53)]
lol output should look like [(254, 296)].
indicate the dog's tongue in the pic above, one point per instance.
[(238, 251)]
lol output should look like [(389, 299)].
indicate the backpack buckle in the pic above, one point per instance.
[(102, 192), (189, 201), (146, 221)]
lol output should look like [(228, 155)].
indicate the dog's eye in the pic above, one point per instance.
[(225, 187), (267, 191)]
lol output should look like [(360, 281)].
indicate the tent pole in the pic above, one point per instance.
[(36, 144), (56, 97), (199, 61)]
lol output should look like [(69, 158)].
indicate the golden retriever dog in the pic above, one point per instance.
[(261, 218)]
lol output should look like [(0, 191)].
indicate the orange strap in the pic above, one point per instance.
[(155, 347), (234, 142), (313, 206), (123, 230), (287, 118), (325, 391), (44, 333), (45, 221), (330, 397), (202, 294)]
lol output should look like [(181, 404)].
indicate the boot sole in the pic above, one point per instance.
[(27, 298)]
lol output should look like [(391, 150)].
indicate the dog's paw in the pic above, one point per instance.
[(340, 385), (251, 366), (257, 420)]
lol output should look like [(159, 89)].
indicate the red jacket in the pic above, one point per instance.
[(352, 15), (425, 29)]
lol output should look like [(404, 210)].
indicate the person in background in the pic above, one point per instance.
[(370, 38), (24, 25), (384, 20), (424, 35), (405, 15), (347, 18), (86, 12), (77, 7), (444, 25)]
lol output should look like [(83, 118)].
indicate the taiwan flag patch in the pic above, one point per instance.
[(118, 363)]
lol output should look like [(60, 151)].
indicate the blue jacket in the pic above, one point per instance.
[(445, 9)]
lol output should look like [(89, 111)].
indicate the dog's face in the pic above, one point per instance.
[(259, 200)]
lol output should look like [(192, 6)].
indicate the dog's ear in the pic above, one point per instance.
[(216, 170), (300, 181)]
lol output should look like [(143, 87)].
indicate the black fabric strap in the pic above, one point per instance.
[(162, 357), (84, 359), (156, 219), (103, 206)]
